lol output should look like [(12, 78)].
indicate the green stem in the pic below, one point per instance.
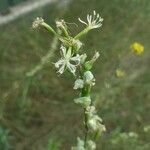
[(49, 28), (82, 33), (86, 92), (86, 128), (65, 32)]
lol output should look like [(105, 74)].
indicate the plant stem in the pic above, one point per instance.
[(86, 92), (86, 128)]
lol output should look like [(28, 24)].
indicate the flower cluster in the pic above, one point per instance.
[(94, 121), (78, 64)]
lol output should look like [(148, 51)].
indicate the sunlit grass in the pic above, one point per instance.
[(123, 102)]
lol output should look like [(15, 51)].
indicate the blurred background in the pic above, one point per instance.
[(37, 111)]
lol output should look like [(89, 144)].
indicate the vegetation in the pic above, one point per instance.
[(31, 107)]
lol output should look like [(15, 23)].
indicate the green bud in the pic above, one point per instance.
[(89, 64)]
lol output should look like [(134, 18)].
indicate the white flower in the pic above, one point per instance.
[(79, 83), (91, 145), (93, 21), (65, 61), (37, 22), (89, 78)]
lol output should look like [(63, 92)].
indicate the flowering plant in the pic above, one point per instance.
[(80, 67)]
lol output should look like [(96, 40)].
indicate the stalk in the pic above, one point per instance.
[(85, 93), (78, 65)]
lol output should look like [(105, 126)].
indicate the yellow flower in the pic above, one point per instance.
[(120, 73), (137, 48)]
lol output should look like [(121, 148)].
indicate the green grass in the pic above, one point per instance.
[(49, 109)]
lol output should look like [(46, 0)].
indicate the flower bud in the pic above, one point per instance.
[(62, 26), (37, 22), (83, 101), (79, 83), (89, 64), (89, 78)]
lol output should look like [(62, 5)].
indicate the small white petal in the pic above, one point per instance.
[(72, 68), (76, 59), (59, 63), (93, 21), (82, 21), (63, 49), (61, 69), (94, 12)]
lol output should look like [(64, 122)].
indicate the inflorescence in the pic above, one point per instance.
[(80, 66)]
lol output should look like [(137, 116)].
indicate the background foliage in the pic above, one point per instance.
[(36, 110)]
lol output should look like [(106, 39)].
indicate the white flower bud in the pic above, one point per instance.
[(79, 83), (37, 22), (89, 78), (60, 24)]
